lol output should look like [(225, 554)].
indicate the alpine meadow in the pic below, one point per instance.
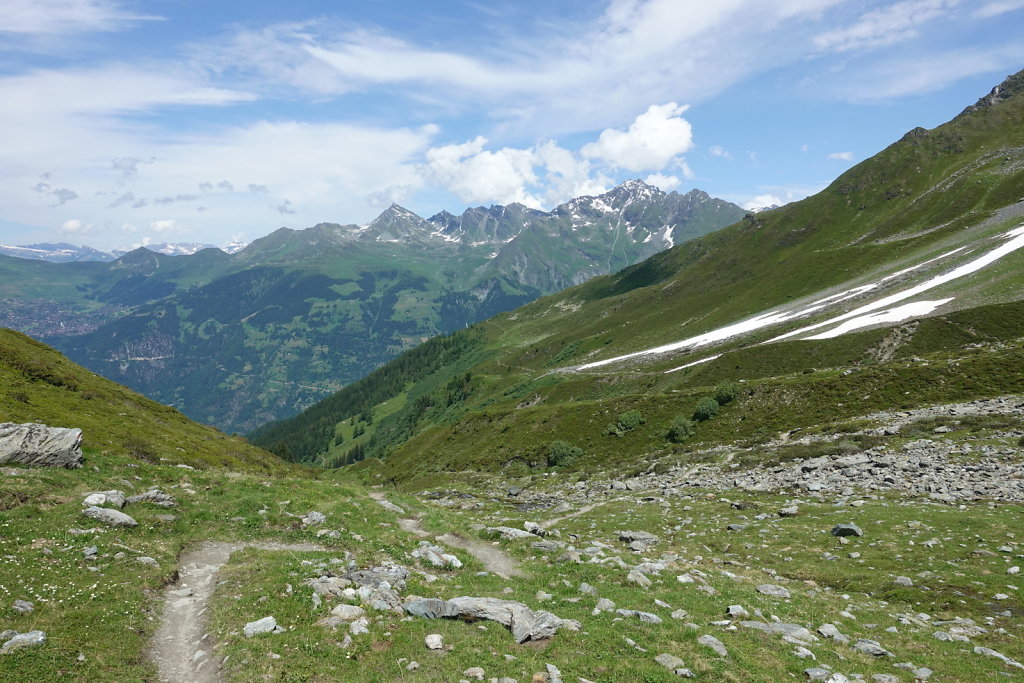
[(589, 423)]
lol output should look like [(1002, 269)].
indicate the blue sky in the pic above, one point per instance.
[(125, 123)]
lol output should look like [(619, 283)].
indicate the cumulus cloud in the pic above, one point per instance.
[(885, 26), (651, 142), (128, 167), (167, 225), (75, 226), (257, 189), (61, 195), (285, 207), (762, 201), (666, 183), (717, 151), (479, 175), (226, 186), (841, 156)]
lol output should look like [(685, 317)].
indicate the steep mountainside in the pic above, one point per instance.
[(37, 384), (929, 225), (236, 340)]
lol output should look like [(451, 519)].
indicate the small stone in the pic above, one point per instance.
[(147, 561), (714, 644), (264, 625), (773, 590), (846, 529), (803, 653), (904, 581), (359, 626), (639, 579), (313, 518), (109, 516), (474, 672), (412, 666), (791, 511), (23, 606), (348, 612), (670, 661), (434, 641), (871, 647), (1013, 570), (737, 612), (23, 640)]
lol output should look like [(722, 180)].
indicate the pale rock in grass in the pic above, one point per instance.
[(645, 617), (554, 675), (587, 589), (871, 647), (114, 499), (154, 496), (525, 623), (390, 507), (904, 581), (670, 661), (261, 626), (474, 672), (313, 518), (638, 579), (843, 530), (147, 561), (40, 445), (737, 612), (604, 605), (978, 650), (832, 632), (20, 641), (109, 517), (803, 653), (680, 614), (795, 631), (1013, 571), (23, 606), (359, 627), (348, 612), (541, 596), (773, 590), (436, 556), (508, 533), (412, 666), (434, 641), (791, 511), (714, 644), (885, 678)]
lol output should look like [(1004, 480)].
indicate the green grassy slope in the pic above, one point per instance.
[(37, 384), (925, 194)]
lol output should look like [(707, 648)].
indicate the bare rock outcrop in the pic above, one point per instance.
[(40, 445)]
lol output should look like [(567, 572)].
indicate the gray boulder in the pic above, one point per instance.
[(525, 623), (260, 626), (156, 497), (109, 517), (846, 530), (113, 499), (23, 640), (40, 445)]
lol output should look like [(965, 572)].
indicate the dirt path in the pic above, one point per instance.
[(182, 647), (496, 560)]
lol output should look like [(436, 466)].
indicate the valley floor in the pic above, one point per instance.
[(723, 565)]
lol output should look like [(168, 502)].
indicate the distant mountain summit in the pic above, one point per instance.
[(239, 339), (60, 252)]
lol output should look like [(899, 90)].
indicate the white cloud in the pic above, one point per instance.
[(717, 151), (652, 142), (666, 183), (841, 156), (762, 201), (168, 225), (44, 17), (885, 26), (997, 8), (478, 175), (74, 226)]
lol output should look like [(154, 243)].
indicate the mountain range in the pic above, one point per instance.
[(63, 252), (235, 340), (794, 301)]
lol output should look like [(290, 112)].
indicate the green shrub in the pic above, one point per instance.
[(680, 430), (628, 421), (706, 409), (563, 454), (724, 393)]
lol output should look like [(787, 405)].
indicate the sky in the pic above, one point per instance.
[(124, 123)]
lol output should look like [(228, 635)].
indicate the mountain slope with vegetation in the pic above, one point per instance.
[(236, 340), (933, 200)]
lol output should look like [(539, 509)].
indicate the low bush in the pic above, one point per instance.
[(706, 409)]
